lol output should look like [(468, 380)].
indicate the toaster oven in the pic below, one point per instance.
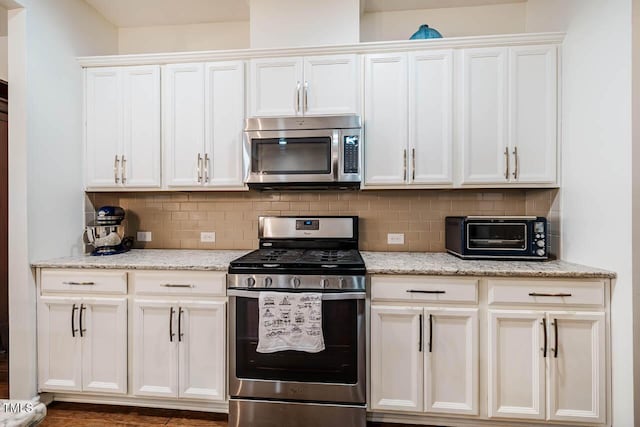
[(497, 237)]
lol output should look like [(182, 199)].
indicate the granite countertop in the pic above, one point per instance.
[(150, 259), (423, 263), (448, 265)]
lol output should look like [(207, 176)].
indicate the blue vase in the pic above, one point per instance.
[(424, 32)]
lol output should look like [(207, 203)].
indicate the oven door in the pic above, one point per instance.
[(307, 156), (336, 374)]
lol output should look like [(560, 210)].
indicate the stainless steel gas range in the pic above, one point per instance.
[(297, 388)]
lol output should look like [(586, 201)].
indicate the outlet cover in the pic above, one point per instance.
[(395, 238), (208, 236), (143, 236)]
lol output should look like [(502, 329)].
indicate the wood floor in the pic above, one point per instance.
[(62, 414)]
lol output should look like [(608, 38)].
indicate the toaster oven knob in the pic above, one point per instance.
[(251, 282), (540, 252), (540, 243), (268, 281), (296, 282)]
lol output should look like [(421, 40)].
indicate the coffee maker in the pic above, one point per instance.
[(106, 234)]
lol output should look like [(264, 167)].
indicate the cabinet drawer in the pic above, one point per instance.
[(546, 292), (415, 288), (83, 281), (179, 283)]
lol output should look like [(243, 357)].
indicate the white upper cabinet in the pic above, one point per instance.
[(508, 126), (203, 121), (300, 86), (385, 125), (122, 129), (408, 119)]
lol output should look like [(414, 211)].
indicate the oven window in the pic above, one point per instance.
[(291, 155), (337, 363), (497, 236)]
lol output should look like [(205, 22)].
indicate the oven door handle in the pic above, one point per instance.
[(326, 296)]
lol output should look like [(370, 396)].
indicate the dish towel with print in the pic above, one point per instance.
[(290, 321)]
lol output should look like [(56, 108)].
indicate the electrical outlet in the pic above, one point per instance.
[(208, 236), (143, 236), (395, 238)]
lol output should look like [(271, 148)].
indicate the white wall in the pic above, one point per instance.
[(180, 38), (45, 153), (450, 22), (635, 130), (596, 158), (287, 23)]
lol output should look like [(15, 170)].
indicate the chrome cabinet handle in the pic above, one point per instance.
[(180, 334), (419, 291), (430, 333), (538, 294), (555, 329), (544, 329), (73, 320), (79, 283), (405, 164), (413, 164), (516, 158), (176, 285), (305, 95), (123, 170), (296, 101), (206, 167), (199, 168), (171, 334), (420, 335), (82, 330), (506, 162), (115, 169)]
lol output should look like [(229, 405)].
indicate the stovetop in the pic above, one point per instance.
[(309, 261)]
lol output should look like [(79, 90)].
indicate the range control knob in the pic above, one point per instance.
[(341, 283), (296, 282), (268, 281), (251, 282), (540, 252), (540, 243), (324, 283)]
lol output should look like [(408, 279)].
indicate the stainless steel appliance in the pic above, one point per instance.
[(497, 237), (303, 152), (106, 235), (293, 388)]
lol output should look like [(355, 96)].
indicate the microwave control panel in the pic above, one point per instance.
[(351, 154)]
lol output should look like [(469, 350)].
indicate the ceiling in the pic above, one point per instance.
[(143, 13)]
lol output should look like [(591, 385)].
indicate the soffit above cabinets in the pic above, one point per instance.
[(145, 13)]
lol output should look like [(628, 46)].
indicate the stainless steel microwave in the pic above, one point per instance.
[(497, 237), (303, 152)]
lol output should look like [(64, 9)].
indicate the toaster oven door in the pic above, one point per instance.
[(503, 236)]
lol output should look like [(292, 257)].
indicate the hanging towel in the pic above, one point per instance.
[(290, 321)]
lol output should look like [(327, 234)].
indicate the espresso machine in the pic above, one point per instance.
[(106, 234)]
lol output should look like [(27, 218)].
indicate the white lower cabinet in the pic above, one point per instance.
[(179, 348), (82, 344)]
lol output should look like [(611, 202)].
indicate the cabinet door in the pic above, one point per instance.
[(103, 127), (484, 116), (330, 85), (385, 108), (430, 116), (202, 350), (224, 118), (516, 364), (577, 382), (155, 348), (104, 345), (141, 151), (183, 110), (59, 346), (451, 361), (275, 86), (533, 113), (396, 358)]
